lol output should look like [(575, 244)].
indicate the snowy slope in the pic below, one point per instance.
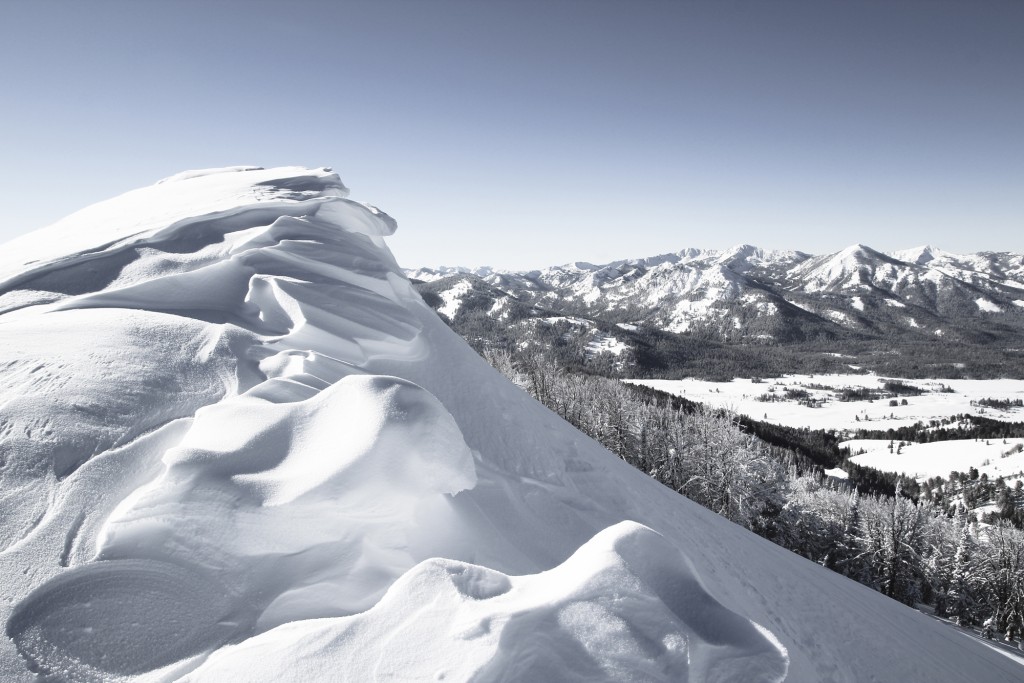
[(236, 445)]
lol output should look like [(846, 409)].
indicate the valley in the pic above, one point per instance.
[(846, 404)]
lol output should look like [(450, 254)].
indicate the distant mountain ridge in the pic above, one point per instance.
[(856, 289), (753, 296)]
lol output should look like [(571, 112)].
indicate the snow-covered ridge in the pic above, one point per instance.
[(218, 419), (593, 598), (236, 443)]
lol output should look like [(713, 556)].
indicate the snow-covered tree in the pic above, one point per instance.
[(893, 534), (1002, 574), (961, 600)]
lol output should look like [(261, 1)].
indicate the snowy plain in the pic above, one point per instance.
[(236, 445), (741, 396), (941, 399), (994, 457)]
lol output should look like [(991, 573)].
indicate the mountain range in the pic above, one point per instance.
[(746, 295)]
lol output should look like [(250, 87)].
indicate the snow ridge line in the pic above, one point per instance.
[(309, 480)]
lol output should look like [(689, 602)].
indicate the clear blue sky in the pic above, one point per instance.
[(524, 134)]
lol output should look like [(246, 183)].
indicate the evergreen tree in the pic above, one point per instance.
[(1002, 572), (960, 597), (851, 562)]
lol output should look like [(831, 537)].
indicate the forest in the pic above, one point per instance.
[(928, 548)]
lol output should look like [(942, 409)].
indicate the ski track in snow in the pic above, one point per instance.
[(236, 445)]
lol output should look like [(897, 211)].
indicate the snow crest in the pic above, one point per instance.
[(625, 606), (232, 443)]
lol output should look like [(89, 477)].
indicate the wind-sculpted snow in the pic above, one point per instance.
[(271, 521), (338, 487), (625, 606), (81, 381), (147, 370), (234, 444)]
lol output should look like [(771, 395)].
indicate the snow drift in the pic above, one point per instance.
[(234, 444)]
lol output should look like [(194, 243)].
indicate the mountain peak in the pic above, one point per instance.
[(861, 251), (920, 256), (741, 251)]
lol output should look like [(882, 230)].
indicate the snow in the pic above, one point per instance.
[(919, 255), (741, 396), (238, 446), (623, 606), (433, 274), (606, 344), (141, 214), (987, 306), (842, 269), (453, 298), (592, 295), (698, 287), (498, 308), (938, 459), (210, 476), (578, 322), (838, 316), (203, 172)]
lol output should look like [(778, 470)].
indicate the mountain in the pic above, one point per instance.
[(235, 444), (858, 298)]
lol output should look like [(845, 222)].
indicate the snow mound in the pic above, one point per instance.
[(625, 606), (55, 420), (273, 521)]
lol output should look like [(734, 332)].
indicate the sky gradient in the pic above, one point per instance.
[(525, 134)]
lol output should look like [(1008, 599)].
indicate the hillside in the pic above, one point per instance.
[(237, 445)]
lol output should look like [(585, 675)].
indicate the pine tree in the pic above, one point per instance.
[(849, 555), (1002, 569), (900, 551), (960, 600)]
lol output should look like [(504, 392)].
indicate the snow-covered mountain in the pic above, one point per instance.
[(747, 293), (235, 444)]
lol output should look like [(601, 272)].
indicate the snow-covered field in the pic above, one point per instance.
[(994, 457), (606, 344), (915, 460), (741, 396), (237, 445)]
